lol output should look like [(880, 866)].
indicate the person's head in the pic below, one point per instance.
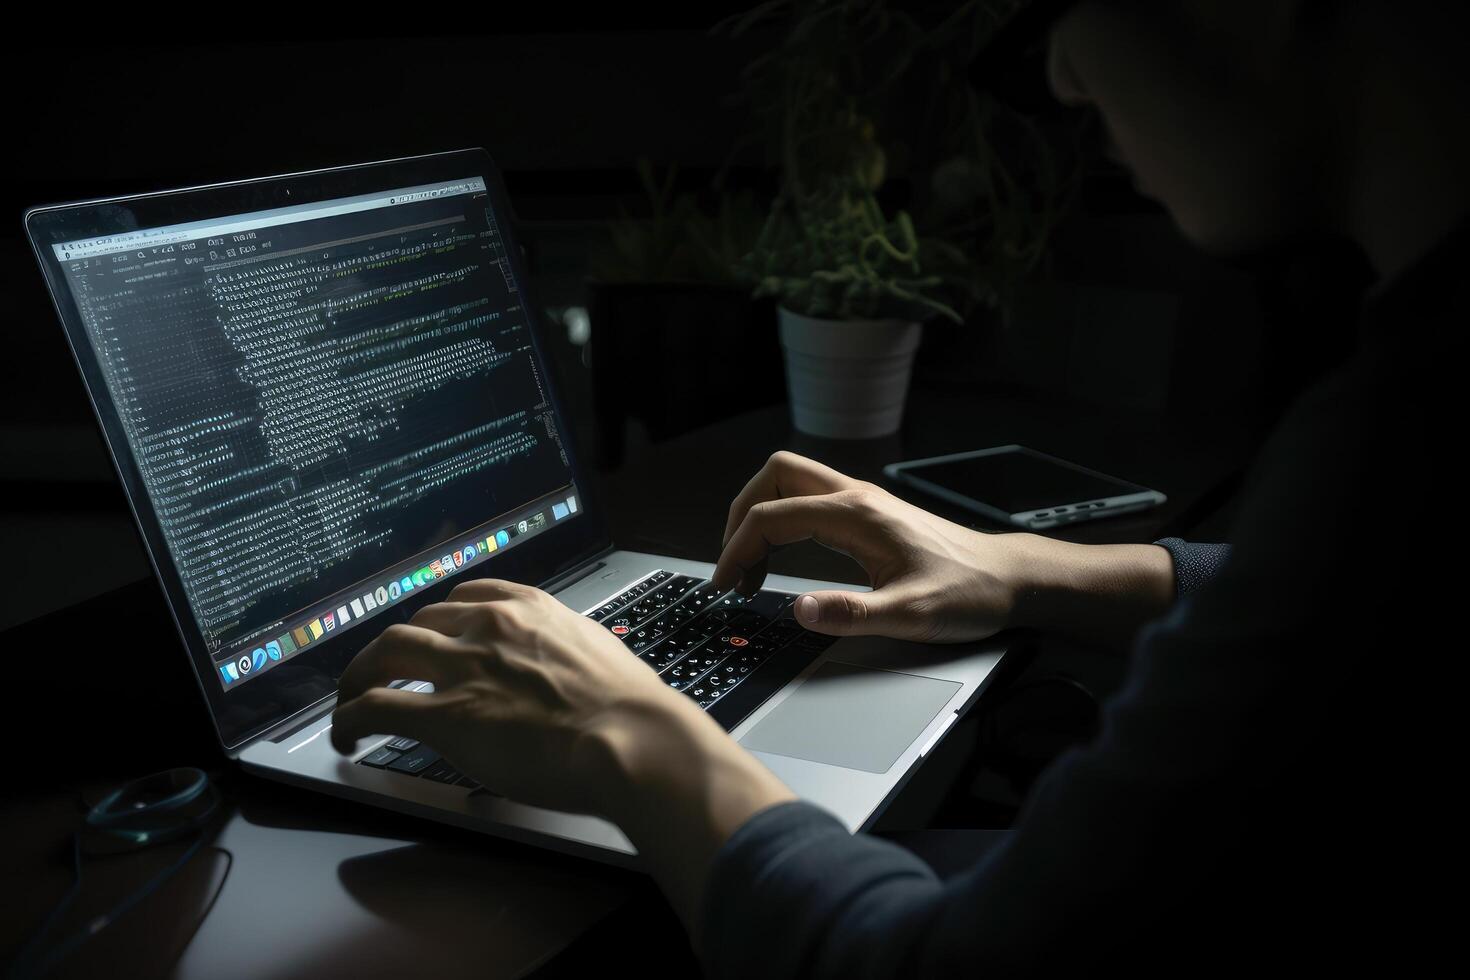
[(1247, 119)]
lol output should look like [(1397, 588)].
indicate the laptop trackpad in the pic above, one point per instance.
[(855, 717)]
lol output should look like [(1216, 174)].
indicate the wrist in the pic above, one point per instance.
[(1037, 577), (1103, 591), (647, 755), (677, 786)]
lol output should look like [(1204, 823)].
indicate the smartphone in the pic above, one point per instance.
[(1020, 486)]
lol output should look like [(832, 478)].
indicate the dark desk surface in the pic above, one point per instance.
[(318, 885)]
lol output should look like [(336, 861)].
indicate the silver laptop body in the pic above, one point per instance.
[(327, 402)]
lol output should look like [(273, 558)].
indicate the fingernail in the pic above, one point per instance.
[(807, 609)]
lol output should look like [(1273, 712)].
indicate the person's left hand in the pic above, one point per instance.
[(526, 691)]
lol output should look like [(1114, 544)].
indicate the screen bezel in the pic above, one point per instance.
[(245, 712)]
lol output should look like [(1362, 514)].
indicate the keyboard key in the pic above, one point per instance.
[(748, 623), (415, 762), (629, 594), (441, 772), (605, 610), (679, 614), (402, 744), (711, 695), (380, 758), (686, 639), (640, 640), (661, 656), (701, 597)]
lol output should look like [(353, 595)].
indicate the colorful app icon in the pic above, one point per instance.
[(273, 649), (244, 664), (343, 616), (502, 538), (486, 547), (469, 552), (229, 672), (288, 646), (383, 595), (301, 636), (447, 563), (459, 559), (357, 608), (317, 629), (405, 585), (490, 545), (523, 526), (369, 603), (558, 511), (257, 658), (436, 569), (394, 590), (330, 622)]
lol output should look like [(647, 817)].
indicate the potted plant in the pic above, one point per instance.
[(855, 277)]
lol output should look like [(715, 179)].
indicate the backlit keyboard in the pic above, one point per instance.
[(702, 641)]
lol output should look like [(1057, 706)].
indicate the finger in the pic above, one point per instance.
[(489, 590), (827, 519), (450, 618), (400, 651), (893, 611), (752, 577), (386, 711), (784, 475)]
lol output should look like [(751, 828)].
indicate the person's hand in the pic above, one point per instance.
[(932, 579), (528, 694)]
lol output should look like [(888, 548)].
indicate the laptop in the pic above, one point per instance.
[(328, 400)]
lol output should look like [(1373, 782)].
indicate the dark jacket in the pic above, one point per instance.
[(1271, 784)]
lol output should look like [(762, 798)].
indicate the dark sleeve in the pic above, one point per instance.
[(793, 894), (1195, 565), (793, 874)]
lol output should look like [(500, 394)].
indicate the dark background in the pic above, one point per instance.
[(1128, 318), (1134, 354)]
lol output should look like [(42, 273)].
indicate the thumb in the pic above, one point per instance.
[(878, 613)]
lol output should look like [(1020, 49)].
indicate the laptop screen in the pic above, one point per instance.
[(330, 405)]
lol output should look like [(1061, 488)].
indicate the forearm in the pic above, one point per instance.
[(1100, 592), (678, 786)]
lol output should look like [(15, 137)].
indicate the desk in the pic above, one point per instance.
[(322, 886)]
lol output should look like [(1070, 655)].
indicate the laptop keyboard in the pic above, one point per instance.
[(702, 641)]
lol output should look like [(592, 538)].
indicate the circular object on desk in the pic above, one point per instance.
[(161, 807)]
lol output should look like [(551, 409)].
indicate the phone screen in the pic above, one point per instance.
[(1020, 481)]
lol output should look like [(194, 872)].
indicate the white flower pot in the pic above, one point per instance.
[(848, 378)]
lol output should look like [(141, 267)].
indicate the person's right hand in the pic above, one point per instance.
[(932, 579)]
